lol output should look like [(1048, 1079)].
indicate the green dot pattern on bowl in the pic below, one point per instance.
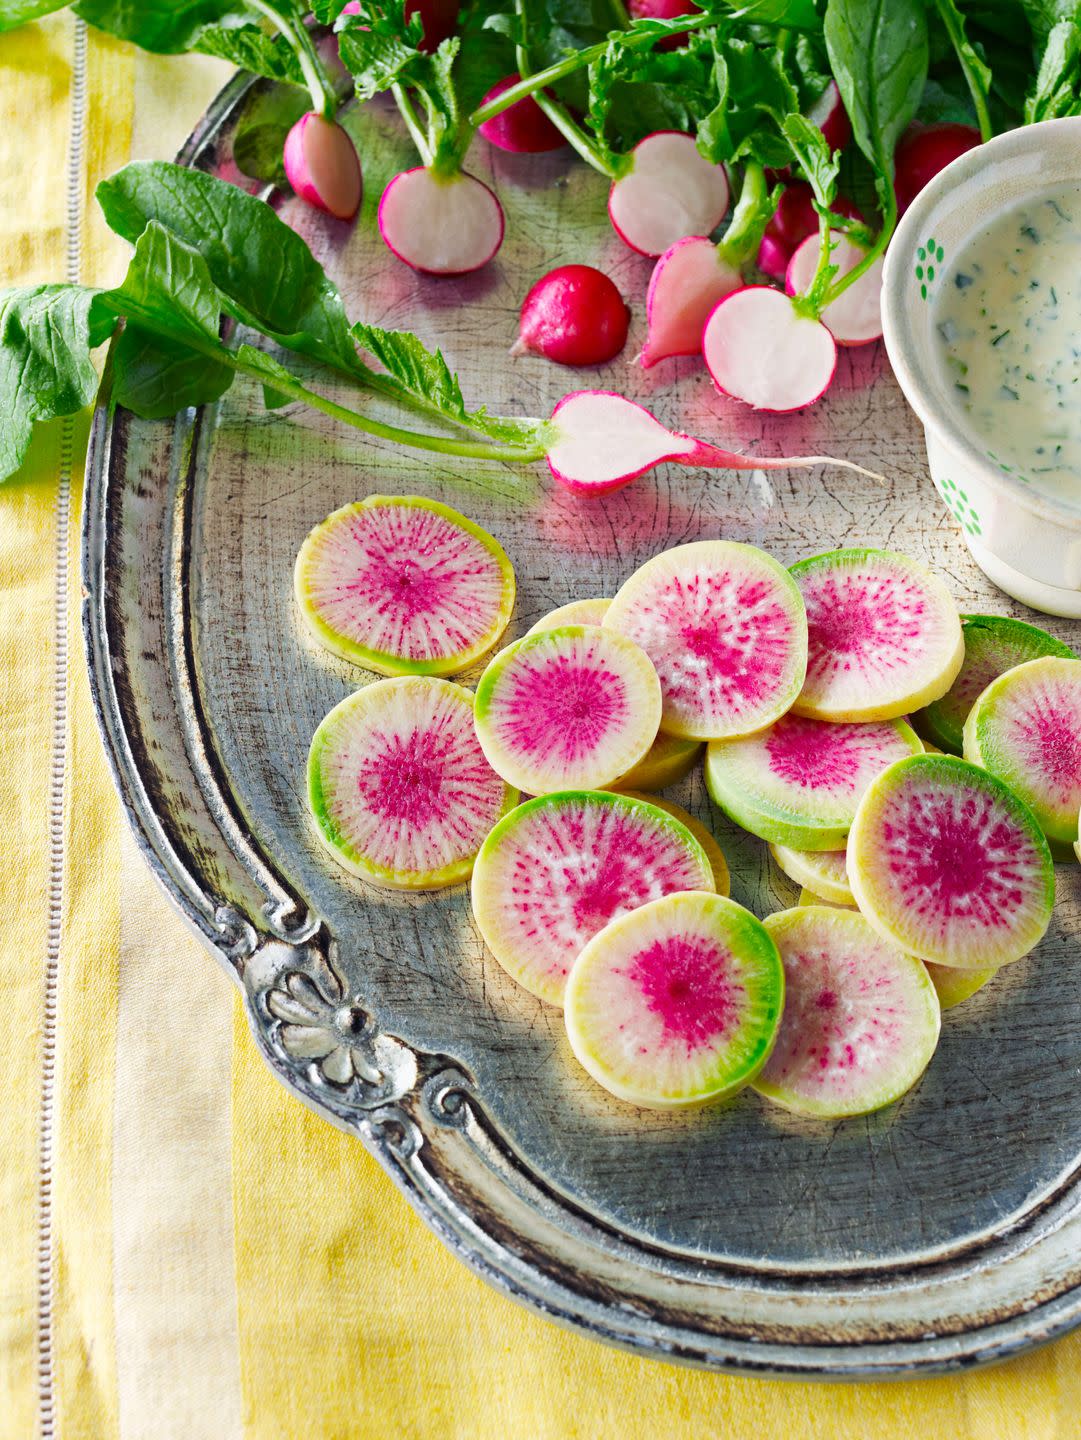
[(928, 256), (959, 506)]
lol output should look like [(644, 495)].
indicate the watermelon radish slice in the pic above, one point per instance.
[(724, 625), (556, 870), (578, 612), (567, 709), (722, 880), (948, 863), (400, 790), (798, 783), (667, 761), (404, 585), (677, 1003), (1026, 729), (993, 645), (821, 872), (884, 635), (861, 1018)]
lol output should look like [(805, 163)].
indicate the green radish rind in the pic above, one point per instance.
[(351, 648), (739, 781), (356, 708), (899, 803), (817, 871), (993, 645), (608, 960), (995, 737), (855, 697), (814, 943)]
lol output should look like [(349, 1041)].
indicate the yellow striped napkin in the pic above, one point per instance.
[(184, 1250)]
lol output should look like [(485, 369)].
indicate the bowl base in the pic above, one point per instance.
[(1048, 599)]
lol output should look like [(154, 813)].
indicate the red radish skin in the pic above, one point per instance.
[(829, 114), (773, 258), (855, 318), (574, 315), (923, 151), (440, 226), (687, 282), (321, 165), (604, 441), (523, 129), (670, 191), (663, 10), (758, 349)]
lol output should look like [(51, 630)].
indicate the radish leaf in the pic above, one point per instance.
[(1057, 91)]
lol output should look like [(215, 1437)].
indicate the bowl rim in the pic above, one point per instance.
[(898, 335)]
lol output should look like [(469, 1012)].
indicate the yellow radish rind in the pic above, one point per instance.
[(817, 871)]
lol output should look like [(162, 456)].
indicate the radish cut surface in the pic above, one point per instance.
[(567, 709), (822, 872), (708, 841), (442, 226), (687, 282), (949, 864), (556, 870), (855, 317), (798, 783), (677, 1003), (1026, 729), (671, 191), (399, 787), (724, 626), (760, 350), (578, 612), (404, 586), (861, 1018), (884, 635), (321, 164)]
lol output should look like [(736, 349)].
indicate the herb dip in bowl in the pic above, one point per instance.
[(981, 316)]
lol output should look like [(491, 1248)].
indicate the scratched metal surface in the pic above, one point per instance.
[(938, 1233)]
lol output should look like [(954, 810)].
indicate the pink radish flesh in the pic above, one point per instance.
[(575, 316), (687, 282), (322, 166), (671, 191), (440, 226), (523, 128), (663, 10), (760, 350), (855, 317), (922, 152), (829, 114), (604, 441)]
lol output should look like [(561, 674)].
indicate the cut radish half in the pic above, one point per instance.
[(724, 626), (670, 191), (602, 441), (669, 759), (440, 225), (798, 783), (404, 585), (1026, 729), (760, 350), (400, 790), (950, 864), (708, 841), (885, 636), (677, 1003), (861, 1019), (993, 645), (321, 165), (855, 317), (822, 872), (687, 282), (556, 870), (578, 612), (568, 709)]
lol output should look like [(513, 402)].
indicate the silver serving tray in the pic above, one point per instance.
[(943, 1232)]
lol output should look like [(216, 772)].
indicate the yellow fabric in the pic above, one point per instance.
[(289, 1289)]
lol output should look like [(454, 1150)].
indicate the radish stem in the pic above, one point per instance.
[(296, 33), (752, 214), (412, 123)]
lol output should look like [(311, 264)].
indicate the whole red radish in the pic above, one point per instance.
[(574, 315), (669, 190), (794, 219), (523, 128), (829, 114), (923, 151), (322, 166), (663, 10), (759, 349)]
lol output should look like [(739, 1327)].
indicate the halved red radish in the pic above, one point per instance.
[(663, 10), (321, 165), (855, 317), (670, 190), (724, 626), (759, 349), (523, 128), (829, 114), (687, 282), (794, 219), (440, 225), (574, 315)]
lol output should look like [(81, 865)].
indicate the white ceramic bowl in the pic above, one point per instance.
[(1028, 543)]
